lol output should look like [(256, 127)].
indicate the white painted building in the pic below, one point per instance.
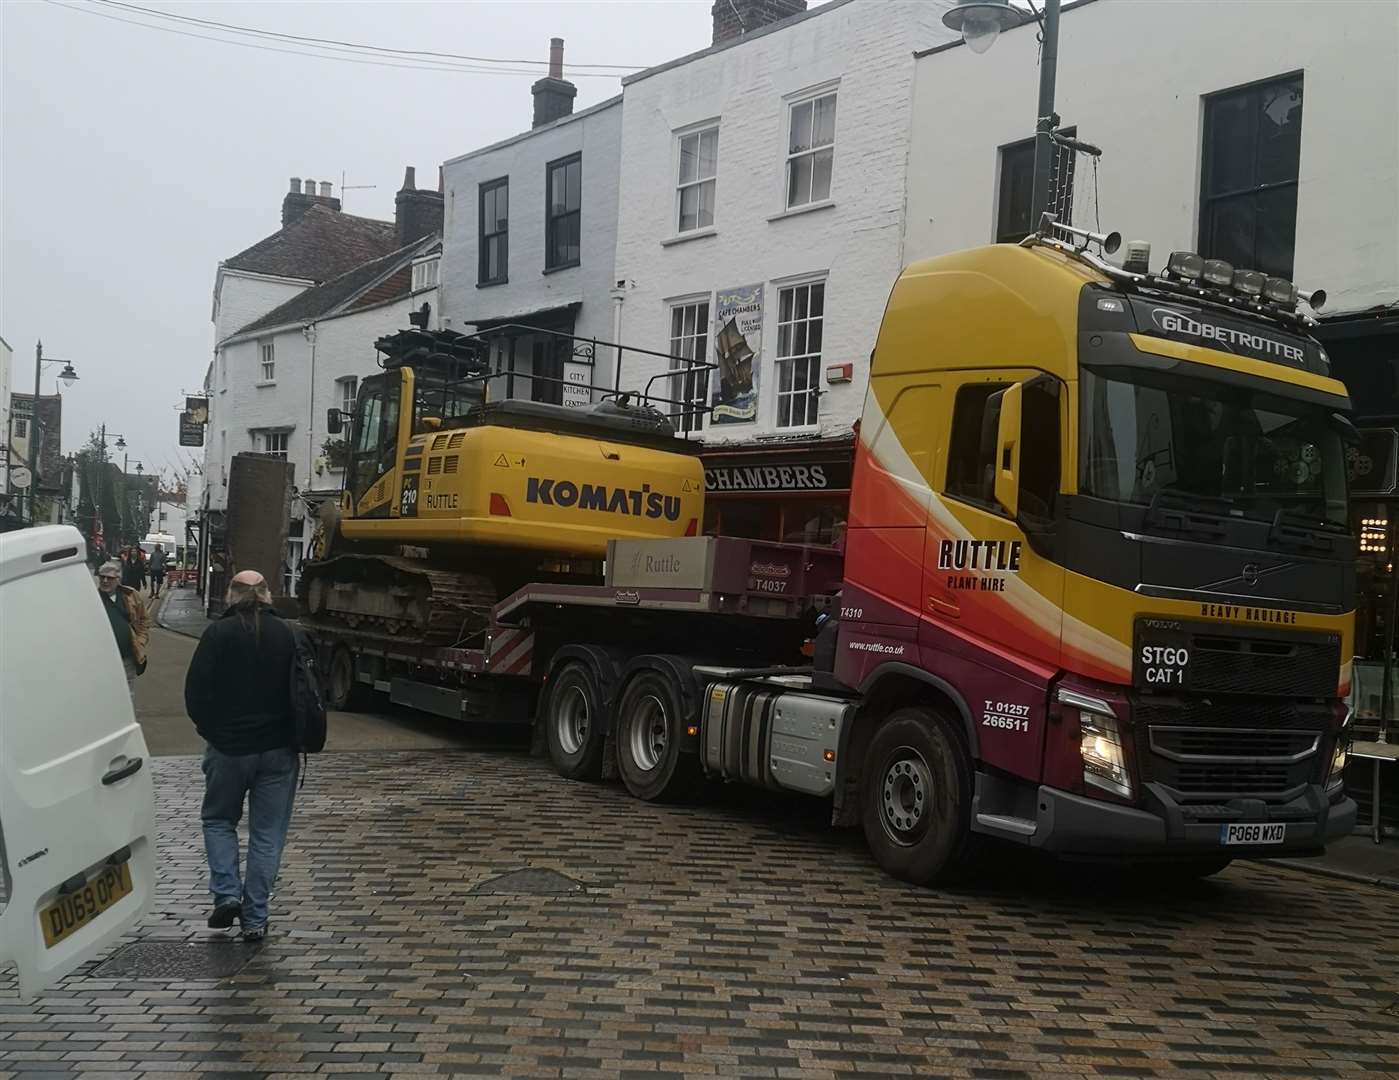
[(1212, 128), (528, 239), (168, 517), (764, 178), (307, 356), (6, 364)]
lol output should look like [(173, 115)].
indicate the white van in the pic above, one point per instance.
[(77, 802)]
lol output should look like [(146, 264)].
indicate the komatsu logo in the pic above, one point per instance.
[(635, 502), (1176, 322)]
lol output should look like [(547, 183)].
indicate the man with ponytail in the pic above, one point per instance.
[(238, 695)]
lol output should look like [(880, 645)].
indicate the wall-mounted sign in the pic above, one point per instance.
[(785, 476), (191, 430), (738, 350), (198, 409)]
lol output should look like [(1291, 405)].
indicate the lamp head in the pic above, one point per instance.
[(68, 376), (980, 22)]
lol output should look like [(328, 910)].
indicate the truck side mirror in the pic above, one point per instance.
[(1007, 465), (332, 421)]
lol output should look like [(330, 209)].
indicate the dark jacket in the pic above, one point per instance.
[(238, 688)]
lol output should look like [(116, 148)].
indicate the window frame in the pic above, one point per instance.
[(348, 383), (809, 97), (19, 427), (266, 434), (421, 268), (552, 220), (687, 422), (267, 360), (1253, 192), (483, 237), (814, 389), (697, 132), (1064, 209)]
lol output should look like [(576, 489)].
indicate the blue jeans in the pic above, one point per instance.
[(268, 782)]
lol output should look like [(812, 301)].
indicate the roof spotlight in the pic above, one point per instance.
[(1217, 272), (1249, 282), (1186, 265), (1280, 291)]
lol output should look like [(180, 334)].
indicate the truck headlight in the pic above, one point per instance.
[(1335, 777), (1104, 764)]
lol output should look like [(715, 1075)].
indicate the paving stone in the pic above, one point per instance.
[(412, 936)]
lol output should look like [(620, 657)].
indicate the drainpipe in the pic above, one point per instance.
[(619, 297), (309, 333)]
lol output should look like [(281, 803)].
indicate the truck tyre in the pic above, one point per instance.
[(650, 723), (573, 716), (343, 693), (915, 798)]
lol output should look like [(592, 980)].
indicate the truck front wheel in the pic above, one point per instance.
[(916, 798), (573, 723), (650, 723)]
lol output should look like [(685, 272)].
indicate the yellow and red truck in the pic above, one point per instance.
[(1095, 595)]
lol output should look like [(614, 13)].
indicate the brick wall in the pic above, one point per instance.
[(733, 18)]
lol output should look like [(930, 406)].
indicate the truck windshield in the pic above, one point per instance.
[(1147, 435)]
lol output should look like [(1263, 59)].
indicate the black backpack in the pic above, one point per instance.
[(307, 702)]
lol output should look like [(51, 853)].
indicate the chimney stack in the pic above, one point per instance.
[(302, 196), (553, 94), (416, 213), (734, 18)]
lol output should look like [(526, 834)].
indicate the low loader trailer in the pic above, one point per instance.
[(1095, 596)]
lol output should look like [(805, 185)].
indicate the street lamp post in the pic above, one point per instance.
[(980, 22), (68, 377)]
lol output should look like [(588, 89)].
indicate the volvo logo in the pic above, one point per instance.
[(1249, 574)]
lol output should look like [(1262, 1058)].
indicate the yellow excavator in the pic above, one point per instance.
[(452, 500)]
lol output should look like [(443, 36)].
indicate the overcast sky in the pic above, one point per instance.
[(135, 159)]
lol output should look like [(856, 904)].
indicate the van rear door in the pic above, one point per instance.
[(77, 815)]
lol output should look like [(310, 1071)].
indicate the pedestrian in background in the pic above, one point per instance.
[(130, 569), (157, 570), (127, 613), (238, 693)]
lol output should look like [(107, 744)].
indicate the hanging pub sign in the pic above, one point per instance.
[(197, 408), (191, 429), (738, 348)]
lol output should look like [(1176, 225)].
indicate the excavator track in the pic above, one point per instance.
[(409, 601)]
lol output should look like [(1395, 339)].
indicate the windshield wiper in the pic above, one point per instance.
[(1299, 529), (1182, 511)]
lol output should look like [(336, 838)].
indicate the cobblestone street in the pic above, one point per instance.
[(733, 939)]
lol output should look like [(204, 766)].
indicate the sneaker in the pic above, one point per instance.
[(255, 934), (221, 918)]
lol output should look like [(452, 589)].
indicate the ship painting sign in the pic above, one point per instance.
[(738, 348)]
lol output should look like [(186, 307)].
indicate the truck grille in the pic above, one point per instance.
[(1275, 666), (1182, 744), (1207, 712), (1226, 749)]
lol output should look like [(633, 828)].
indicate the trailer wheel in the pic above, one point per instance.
[(649, 729), (343, 692), (915, 798), (573, 718)]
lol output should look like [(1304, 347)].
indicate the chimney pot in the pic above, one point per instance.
[(410, 179), (310, 188), (325, 189), (301, 196), (553, 94), (296, 185)]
